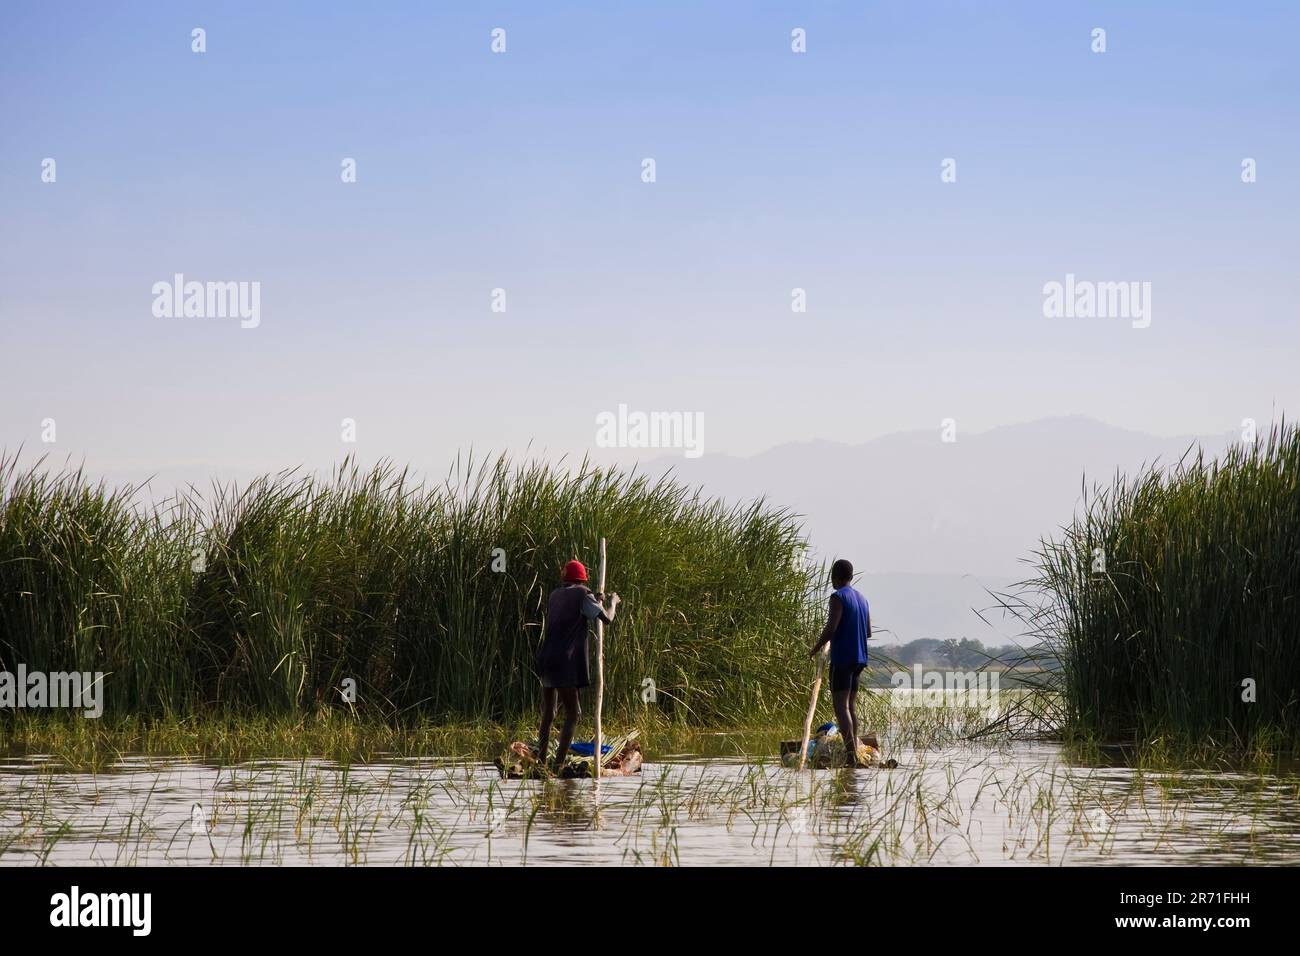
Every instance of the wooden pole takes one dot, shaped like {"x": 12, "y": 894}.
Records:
{"x": 600, "y": 657}
{"x": 812, "y": 709}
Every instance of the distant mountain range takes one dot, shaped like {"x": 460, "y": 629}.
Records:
{"x": 932, "y": 524}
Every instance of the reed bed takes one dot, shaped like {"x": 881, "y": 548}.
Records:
{"x": 1175, "y": 596}
{"x": 266, "y": 598}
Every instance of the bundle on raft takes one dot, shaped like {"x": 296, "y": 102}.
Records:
{"x": 826, "y": 749}
{"x": 621, "y": 757}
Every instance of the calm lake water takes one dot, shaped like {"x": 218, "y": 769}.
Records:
{"x": 1015, "y": 804}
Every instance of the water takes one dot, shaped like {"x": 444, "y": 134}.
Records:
{"x": 1015, "y": 804}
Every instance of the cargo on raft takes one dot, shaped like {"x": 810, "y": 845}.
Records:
{"x": 826, "y": 749}
{"x": 621, "y": 757}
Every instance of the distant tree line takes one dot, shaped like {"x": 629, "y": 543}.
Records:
{"x": 964, "y": 654}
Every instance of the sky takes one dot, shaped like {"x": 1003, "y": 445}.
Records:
{"x": 523, "y": 171}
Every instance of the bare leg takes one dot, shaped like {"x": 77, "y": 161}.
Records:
{"x": 848, "y": 728}
{"x": 548, "y": 717}
{"x": 569, "y": 699}
{"x": 853, "y": 711}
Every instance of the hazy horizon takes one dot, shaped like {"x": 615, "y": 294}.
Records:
{"x": 522, "y": 171}
{"x": 930, "y": 536}
{"x": 247, "y": 238}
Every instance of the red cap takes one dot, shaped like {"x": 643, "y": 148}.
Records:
{"x": 574, "y": 571}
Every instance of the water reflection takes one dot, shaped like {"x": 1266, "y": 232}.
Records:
{"x": 1019, "y": 804}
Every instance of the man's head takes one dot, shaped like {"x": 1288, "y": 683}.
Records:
{"x": 841, "y": 573}
{"x": 575, "y": 573}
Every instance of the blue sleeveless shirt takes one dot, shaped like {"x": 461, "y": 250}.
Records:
{"x": 849, "y": 644}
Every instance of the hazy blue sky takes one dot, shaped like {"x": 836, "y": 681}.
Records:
{"x": 522, "y": 171}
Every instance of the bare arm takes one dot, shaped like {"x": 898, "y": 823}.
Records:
{"x": 607, "y": 613}
{"x": 832, "y": 624}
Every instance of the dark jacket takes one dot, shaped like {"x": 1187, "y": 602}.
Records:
{"x": 563, "y": 660}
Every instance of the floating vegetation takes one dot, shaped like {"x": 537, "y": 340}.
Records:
{"x": 971, "y": 805}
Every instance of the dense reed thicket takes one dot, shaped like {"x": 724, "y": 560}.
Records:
{"x": 1171, "y": 591}
{"x": 267, "y": 597}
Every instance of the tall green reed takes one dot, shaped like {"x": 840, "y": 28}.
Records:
{"x": 1172, "y": 590}
{"x": 431, "y": 598}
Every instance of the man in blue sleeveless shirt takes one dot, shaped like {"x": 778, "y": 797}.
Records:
{"x": 848, "y": 628}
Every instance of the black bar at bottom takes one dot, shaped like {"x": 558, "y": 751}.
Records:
{"x": 335, "y": 905}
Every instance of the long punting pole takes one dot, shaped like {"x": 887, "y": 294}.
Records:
{"x": 812, "y": 708}
{"x": 600, "y": 658}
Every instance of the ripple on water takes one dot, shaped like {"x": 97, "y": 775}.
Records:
{"x": 1018, "y": 804}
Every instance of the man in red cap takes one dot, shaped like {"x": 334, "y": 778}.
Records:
{"x": 562, "y": 661}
